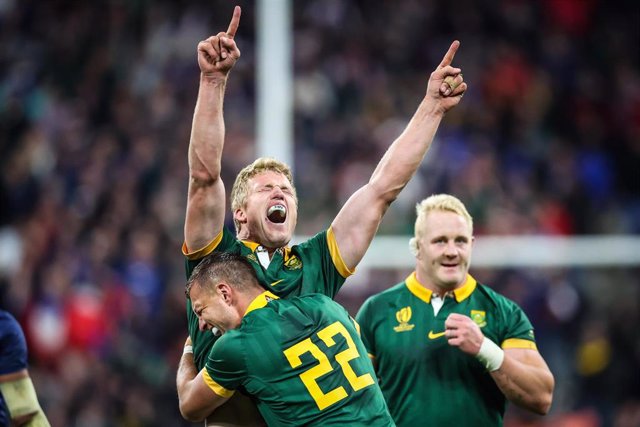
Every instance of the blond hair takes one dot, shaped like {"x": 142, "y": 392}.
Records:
{"x": 240, "y": 188}
{"x": 437, "y": 202}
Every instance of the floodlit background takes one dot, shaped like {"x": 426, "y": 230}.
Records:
{"x": 96, "y": 100}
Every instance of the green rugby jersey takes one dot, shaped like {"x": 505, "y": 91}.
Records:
{"x": 426, "y": 381}
{"x": 312, "y": 266}
{"x": 302, "y": 361}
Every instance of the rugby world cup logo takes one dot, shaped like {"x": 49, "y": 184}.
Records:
{"x": 403, "y": 316}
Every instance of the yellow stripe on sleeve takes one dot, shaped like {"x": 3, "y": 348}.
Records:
{"x": 217, "y": 388}
{"x": 335, "y": 255}
{"x": 519, "y": 343}
{"x": 202, "y": 252}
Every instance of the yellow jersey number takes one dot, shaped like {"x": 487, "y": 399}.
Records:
{"x": 323, "y": 367}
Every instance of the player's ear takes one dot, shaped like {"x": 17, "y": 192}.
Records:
{"x": 414, "y": 246}
{"x": 224, "y": 290}
{"x": 240, "y": 216}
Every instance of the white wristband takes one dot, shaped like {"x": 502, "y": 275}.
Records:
{"x": 187, "y": 349}
{"x": 490, "y": 355}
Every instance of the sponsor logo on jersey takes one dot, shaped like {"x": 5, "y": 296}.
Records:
{"x": 434, "y": 335}
{"x": 403, "y": 316}
{"x": 479, "y": 317}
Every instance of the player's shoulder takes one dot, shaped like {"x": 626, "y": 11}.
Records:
{"x": 391, "y": 293}
{"x": 311, "y": 301}
{"x": 495, "y": 297}
{"x": 229, "y": 340}
{"x": 313, "y": 297}
{"x": 314, "y": 241}
{"x": 386, "y": 297}
{"x": 8, "y": 323}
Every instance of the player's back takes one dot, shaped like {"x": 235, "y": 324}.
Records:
{"x": 306, "y": 365}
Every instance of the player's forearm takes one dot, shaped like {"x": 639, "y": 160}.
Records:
{"x": 405, "y": 154}
{"x": 207, "y": 131}
{"x": 205, "y": 204}
{"x": 196, "y": 400}
{"x": 530, "y": 387}
{"x": 187, "y": 372}
{"x": 357, "y": 222}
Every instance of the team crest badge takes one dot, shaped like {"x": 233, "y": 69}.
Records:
{"x": 403, "y": 316}
{"x": 293, "y": 263}
{"x": 252, "y": 257}
{"x": 479, "y": 317}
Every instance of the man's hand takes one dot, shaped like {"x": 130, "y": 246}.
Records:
{"x": 462, "y": 332}
{"x": 218, "y": 54}
{"x": 446, "y": 84}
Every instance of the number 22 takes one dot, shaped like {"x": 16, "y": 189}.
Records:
{"x": 310, "y": 376}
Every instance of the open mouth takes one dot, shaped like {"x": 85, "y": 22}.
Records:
{"x": 277, "y": 214}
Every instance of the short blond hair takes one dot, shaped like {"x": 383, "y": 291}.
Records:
{"x": 240, "y": 188}
{"x": 437, "y": 202}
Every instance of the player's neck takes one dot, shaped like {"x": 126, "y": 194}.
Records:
{"x": 269, "y": 249}
{"x": 435, "y": 289}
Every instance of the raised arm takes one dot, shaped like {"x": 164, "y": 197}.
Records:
{"x": 206, "y": 197}
{"x": 358, "y": 220}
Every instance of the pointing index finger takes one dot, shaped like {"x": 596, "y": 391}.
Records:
{"x": 235, "y": 22}
{"x": 448, "y": 57}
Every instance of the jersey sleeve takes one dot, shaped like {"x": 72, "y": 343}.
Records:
{"x": 13, "y": 348}
{"x": 226, "y": 365}
{"x": 225, "y": 241}
{"x": 518, "y": 331}
{"x": 323, "y": 252}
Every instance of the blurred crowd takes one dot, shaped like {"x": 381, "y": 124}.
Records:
{"x": 96, "y": 101}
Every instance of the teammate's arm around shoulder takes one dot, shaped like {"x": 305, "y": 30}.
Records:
{"x": 196, "y": 395}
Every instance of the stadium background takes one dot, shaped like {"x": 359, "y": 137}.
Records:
{"x": 96, "y": 100}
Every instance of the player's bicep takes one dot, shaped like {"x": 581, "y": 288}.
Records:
{"x": 527, "y": 356}
{"x": 205, "y": 214}
{"x": 356, "y": 224}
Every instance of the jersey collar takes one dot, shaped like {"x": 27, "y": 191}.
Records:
{"x": 461, "y": 293}
{"x": 260, "y": 301}
{"x": 253, "y": 246}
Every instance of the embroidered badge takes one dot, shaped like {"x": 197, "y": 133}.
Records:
{"x": 403, "y": 316}
{"x": 479, "y": 317}
{"x": 293, "y": 263}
